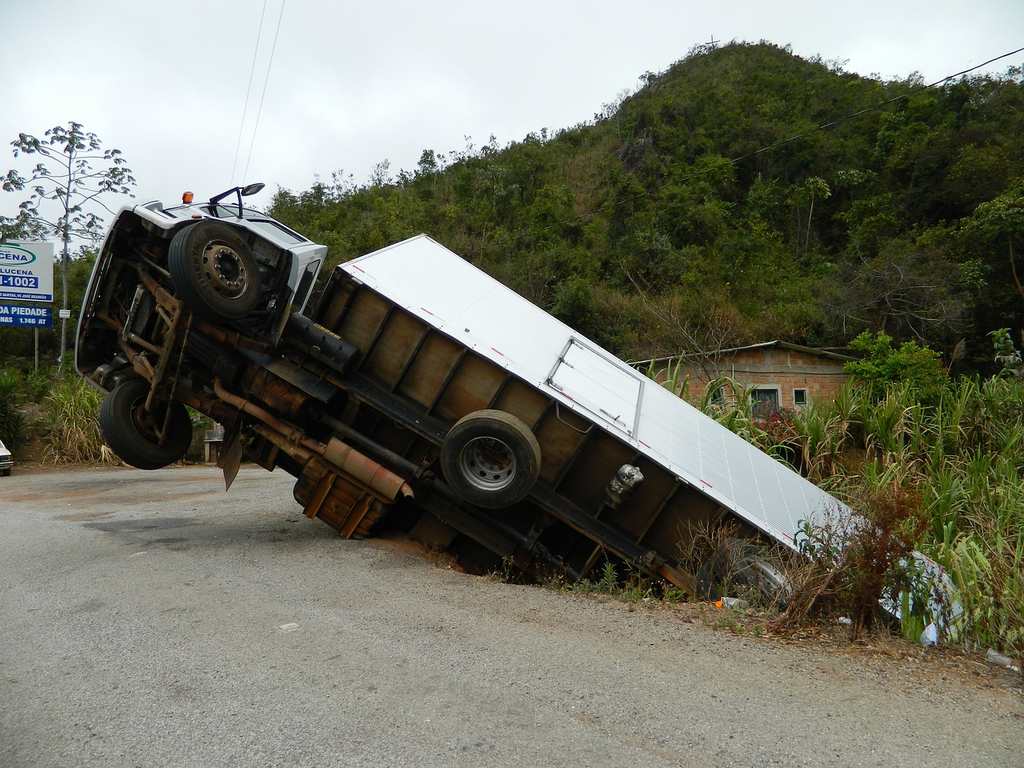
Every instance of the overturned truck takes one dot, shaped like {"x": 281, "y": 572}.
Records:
{"x": 417, "y": 389}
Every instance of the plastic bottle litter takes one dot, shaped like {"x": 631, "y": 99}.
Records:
{"x": 735, "y": 602}
{"x": 845, "y": 620}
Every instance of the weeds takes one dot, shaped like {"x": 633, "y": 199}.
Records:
{"x": 12, "y": 424}
{"x": 943, "y": 476}
{"x": 71, "y": 431}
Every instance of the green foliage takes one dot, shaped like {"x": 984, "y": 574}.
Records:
{"x": 915, "y": 366}
{"x": 945, "y": 477}
{"x": 12, "y": 424}
{"x": 1006, "y": 356}
{"x": 636, "y": 227}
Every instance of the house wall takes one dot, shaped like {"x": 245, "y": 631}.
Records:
{"x": 786, "y": 369}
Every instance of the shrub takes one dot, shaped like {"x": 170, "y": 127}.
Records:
{"x": 71, "y": 430}
{"x": 12, "y": 425}
{"x": 883, "y": 364}
{"x": 989, "y": 571}
{"x": 856, "y": 561}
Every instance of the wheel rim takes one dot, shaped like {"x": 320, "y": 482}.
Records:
{"x": 143, "y": 421}
{"x": 487, "y": 463}
{"x": 223, "y": 269}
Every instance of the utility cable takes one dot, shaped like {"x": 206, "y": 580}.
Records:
{"x": 248, "y": 91}
{"x": 263, "y": 93}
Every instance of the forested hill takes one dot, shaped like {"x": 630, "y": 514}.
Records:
{"x": 636, "y": 228}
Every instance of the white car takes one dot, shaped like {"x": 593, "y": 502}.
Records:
{"x": 6, "y": 462}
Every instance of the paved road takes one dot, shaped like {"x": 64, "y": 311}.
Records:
{"x": 147, "y": 619}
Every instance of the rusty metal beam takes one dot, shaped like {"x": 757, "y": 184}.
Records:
{"x": 381, "y": 481}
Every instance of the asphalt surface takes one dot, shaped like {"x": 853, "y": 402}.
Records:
{"x": 148, "y": 619}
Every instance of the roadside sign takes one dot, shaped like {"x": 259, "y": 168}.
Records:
{"x": 64, "y": 314}
{"x": 12, "y": 315}
{"x": 26, "y": 271}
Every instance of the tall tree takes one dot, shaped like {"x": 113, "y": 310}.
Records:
{"x": 76, "y": 173}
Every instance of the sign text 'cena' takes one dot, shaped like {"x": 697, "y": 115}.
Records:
{"x": 26, "y": 271}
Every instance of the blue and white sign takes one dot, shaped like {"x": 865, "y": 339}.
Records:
{"x": 11, "y": 315}
{"x": 26, "y": 271}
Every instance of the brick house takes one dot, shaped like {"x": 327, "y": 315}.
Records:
{"x": 783, "y": 376}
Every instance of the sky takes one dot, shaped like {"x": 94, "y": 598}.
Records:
{"x": 349, "y": 84}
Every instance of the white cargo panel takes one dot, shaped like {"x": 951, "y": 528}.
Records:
{"x": 447, "y": 292}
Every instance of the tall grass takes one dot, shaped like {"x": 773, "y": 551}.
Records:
{"x": 961, "y": 456}
{"x": 71, "y": 433}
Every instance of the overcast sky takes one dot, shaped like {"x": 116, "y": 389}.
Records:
{"x": 353, "y": 83}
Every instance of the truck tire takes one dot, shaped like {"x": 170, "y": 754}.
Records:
{"x": 739, "y": 563}
{"x": 490, "y": 459}
{"x": 214, "y": 271}
{"x": 124, "y": 428}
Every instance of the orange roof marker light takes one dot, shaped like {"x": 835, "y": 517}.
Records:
{"x": 186, "y": 198}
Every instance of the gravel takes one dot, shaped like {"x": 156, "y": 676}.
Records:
{"x": 148, "y": 619}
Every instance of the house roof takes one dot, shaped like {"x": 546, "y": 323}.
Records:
{"x": 817, "y": 351}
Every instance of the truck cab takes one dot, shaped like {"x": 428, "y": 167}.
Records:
{"x": 231, "y": 265}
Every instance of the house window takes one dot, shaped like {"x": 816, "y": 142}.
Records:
{"x": 766, "y": 401}
{"x": 800, "y": 397}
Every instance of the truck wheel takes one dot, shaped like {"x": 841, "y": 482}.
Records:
{"x": 490, "y": 459}
{"x": 129, "y": 430}
{"x": 214, "y": 271}
{"x": 739, "y": 563}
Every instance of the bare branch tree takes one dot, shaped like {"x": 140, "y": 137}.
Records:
{"x": 66, "y": 175}
{"x": 700, "y": 343}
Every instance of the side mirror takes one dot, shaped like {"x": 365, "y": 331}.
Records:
{"x": 252, "y": 189}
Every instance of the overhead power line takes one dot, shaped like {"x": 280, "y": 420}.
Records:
{"x": 263, "y": 93}
{"x": 248, "y": 90}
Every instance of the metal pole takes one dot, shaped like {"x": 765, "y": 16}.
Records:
{"x": 36, "y": 332}
{"x": 64, "y": 259}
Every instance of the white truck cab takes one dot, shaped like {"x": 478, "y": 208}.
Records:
{"x": 231, "y": 265}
